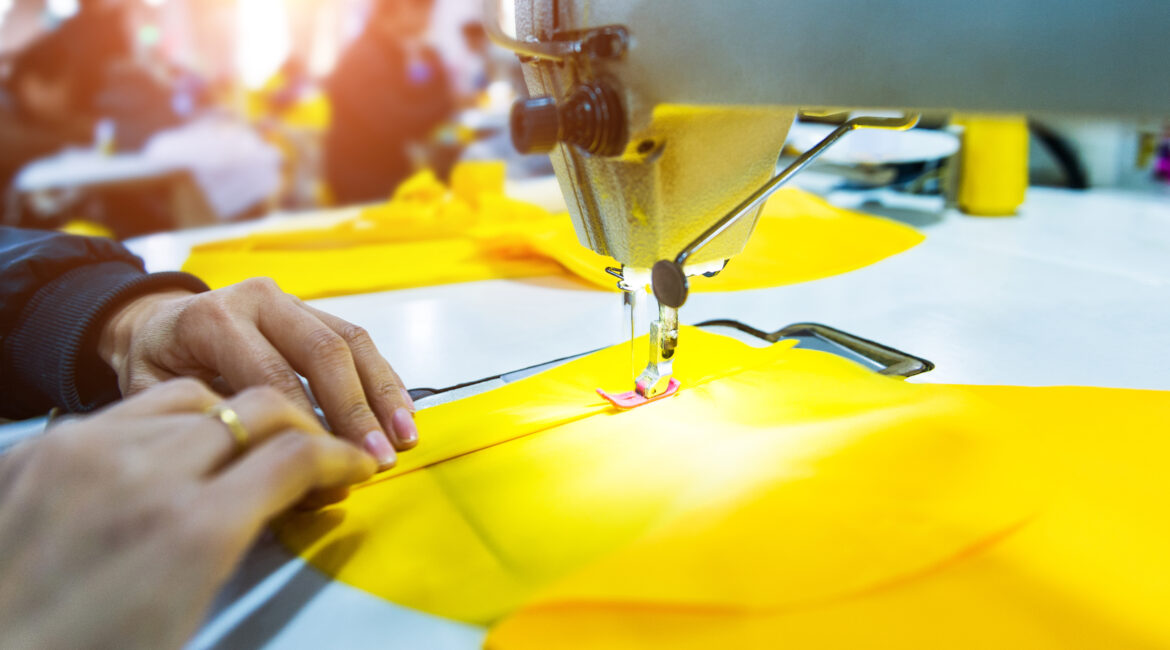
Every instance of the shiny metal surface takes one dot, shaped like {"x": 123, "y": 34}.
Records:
{"x": 710, "y": 89}
{"x": 649, "y": 201}
{"x": 1079, "y": 56}
{"x": 655, "y": 379}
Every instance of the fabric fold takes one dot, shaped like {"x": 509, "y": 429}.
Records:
{"x": 782, "y": 495}
{"x": 429, "y": 235}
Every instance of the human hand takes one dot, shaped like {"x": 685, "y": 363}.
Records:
{"x": 253, "y": 334}
{"x": 116, "y": 530}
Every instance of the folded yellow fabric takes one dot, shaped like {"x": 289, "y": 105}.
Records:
{"x": 425, "y": 236}
{"x": 783, "y": 496}
{"x": 428, "y": 235}
{"x": 799, "y": 237}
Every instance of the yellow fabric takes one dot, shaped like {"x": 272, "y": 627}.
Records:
{"x": 799, "y": 237}
{"x": 428, "y": 235}
{"x": 310, "y": 112}
{"x": 432, "y": 555}
{"x": 783, "y": 496}
{"x": 87, "y": 229}
{"x": 423, "y": 237}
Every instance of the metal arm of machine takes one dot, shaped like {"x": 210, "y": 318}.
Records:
{"x": 607, "y": 42}
{"x": 669, "y": 277}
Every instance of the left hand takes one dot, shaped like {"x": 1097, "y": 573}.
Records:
{"x": 118, "y": 528}
{"x": 254, "y": 334}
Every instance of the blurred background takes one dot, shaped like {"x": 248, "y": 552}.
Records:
{"x": 126, "y": 117}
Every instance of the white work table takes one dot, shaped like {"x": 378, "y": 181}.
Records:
{"x": 1075, "y": 290}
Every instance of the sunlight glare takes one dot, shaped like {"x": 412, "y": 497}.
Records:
{"x": 263, "y": 38}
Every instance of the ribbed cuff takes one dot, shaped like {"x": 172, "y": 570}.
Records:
{"x": 53, "y": 348}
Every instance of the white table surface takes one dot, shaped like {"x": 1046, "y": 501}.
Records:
{"x": 1075, "y": 290}
{"x": 228, "y": 161}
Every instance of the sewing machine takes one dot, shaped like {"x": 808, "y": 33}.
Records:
{"x": 1044, "y": 275}
{"x": 664, "y": 119}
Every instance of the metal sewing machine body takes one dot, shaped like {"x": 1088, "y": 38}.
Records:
{"x": 664, "y": 119}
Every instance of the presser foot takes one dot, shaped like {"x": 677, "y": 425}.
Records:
{"x": 656, "y": 381}
{"x": 633, "y": 399}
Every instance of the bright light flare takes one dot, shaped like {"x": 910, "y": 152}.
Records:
{"x": 263, "y": 38}
{"x": 62, "y": 9}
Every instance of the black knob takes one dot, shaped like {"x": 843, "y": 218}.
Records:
{"x": 670, "y": 283}
{"x": 591, "y": 118}
{"x": 536, "y": 125}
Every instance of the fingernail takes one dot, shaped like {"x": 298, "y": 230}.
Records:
{"x": 404, "y": 426}
{"x": 379, "y": 447}
{"x": 407, "y": 400}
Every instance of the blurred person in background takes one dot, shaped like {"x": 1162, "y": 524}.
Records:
{"x": 96, "y": 40}
{"x": 94, "y": 51}
{"x": 110, "y": 84}
{"x": 38, "y": 101}
{"x": 389, "y": 90}
{"x": 59, "y": 88}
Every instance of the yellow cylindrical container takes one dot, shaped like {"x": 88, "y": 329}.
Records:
{"x": 993, "y": 166}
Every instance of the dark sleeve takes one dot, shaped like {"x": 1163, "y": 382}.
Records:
{"x": 55, "y": 293}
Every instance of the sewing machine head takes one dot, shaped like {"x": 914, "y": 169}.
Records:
{"x": 643, "y": 176}
{"x": 661, "y": 115}
{"x": 665, "y": 118}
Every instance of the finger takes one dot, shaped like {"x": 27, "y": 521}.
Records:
{"x": 174, "y": 396}
{"x": 318, "y": 499}
{"x": 220, "y": 385}
{"x": 205, "y": 442}
{"x": 384, "y": 389}
{"x": 321, "y": 355}
{"x": 278, "y": 474}
{"x": 246, "y": 359}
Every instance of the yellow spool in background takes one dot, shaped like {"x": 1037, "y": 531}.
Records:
{"x": 993, "y": 168}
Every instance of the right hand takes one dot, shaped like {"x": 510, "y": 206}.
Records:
{"x": 116, "y": 530}
{"x": 254, "y": 334}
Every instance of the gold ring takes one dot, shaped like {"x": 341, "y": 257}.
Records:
{"x": 231, "y": 420}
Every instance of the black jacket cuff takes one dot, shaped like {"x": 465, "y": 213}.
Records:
{"x": 53, "y": 348}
